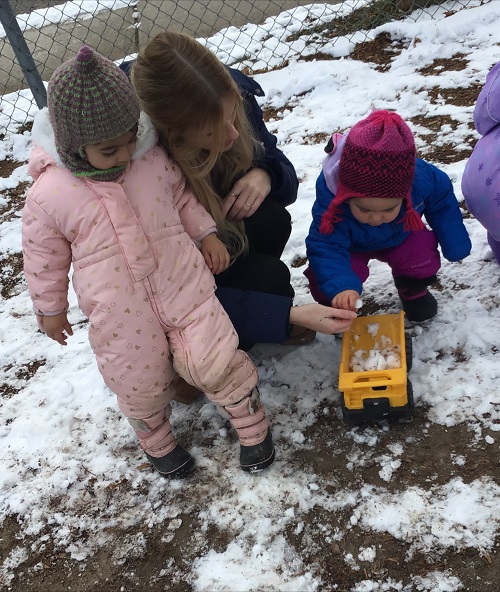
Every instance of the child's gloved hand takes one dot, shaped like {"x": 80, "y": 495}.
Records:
{"x": 215, "y": 254}
{"x": 346, "y": 300}
{"x": 57, "y": 327}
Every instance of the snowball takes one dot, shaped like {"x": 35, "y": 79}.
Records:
{"x": 386, "y": 357}
{"x": 363, "y": 361}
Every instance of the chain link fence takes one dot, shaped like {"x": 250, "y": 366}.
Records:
{"x": 253, "y": 35}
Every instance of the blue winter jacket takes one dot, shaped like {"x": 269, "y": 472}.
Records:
{"x": 329, "y": 254}
{"x": 259, "y": 317}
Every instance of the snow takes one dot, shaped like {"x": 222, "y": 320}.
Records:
{"x": 63, "y": 439}
{"x": 387, "y": 358}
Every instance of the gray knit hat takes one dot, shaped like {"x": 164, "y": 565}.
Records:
{"x": 90, "y": 101}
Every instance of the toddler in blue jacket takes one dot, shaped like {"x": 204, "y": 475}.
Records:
{"x": 370, "y": 197}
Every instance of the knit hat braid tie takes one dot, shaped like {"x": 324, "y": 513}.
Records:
{"x": 378, "y": 160}
{"x": 90, "y": 101}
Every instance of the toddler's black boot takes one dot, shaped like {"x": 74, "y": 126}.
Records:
{"x": 159, "y": 444}
{"x": 421, "y": 308}
{"x": 259, "y": 456}
{"x": 418, "y": 303}
{"x": 175, "y": 465}
{"x": 256, "y": 442}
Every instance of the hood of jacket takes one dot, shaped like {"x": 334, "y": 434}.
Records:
{"x": 246, "y": 84}
{"x": 44, "y": 152}
{"x": 331, "y": 162}
{"x": 487, "y": 109}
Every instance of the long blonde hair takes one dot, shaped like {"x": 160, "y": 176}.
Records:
{"x": 181, "y": 85}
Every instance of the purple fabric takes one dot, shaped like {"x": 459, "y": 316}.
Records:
{"x": 316, "y": 293}
{"x": 416, "y": 257}
{"x": 487, "y": 109}
{"x": 495, "y": 247}
{"x": 481, "y": 179}
{"x": 331, "y": 162}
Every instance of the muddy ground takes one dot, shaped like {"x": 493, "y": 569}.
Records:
{"x": 53, "y": 571}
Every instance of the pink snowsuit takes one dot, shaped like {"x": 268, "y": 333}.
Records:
{"x": 139, "y": 278}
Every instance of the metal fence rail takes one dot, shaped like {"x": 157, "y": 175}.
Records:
{"x": 33, "y": 45}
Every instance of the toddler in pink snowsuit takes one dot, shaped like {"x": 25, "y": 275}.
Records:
{"x": 109, "y": 201}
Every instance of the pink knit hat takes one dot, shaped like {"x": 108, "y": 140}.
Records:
{"x": 378, "y": 160}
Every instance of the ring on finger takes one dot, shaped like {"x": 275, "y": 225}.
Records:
{"x": 234, "y": 194}
{"x": 248, "y": 205}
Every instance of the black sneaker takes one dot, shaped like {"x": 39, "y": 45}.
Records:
{"x": 258, "y": 457}
{"x": 174, "y": 465}
{"x": 420, "y": 309}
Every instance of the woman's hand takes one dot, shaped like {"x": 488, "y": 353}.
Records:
{"x": 346, "y": 300}
{"x": 322, "y": 319}
{"x": 56, "y": 327}
{"x": 247, "y": 194}
{"x": 215, "y": 253}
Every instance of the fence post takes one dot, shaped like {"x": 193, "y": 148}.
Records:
{"x": 23, "y": 54}
{"x": 136, "y": 25}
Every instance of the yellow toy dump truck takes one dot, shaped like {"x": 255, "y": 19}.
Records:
{"x": 373, "y": 376}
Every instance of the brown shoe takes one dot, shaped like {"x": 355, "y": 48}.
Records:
{"x": 300, "y": 335}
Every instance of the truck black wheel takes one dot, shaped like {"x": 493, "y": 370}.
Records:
{"x": 353, "y": 417}
{"x": 410, "y": 407}
{"x": 409, "y": 352}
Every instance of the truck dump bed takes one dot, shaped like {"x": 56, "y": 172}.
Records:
{"x": 373, "y": 370}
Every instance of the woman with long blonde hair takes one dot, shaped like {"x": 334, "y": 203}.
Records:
{"x": 209, "y": 121}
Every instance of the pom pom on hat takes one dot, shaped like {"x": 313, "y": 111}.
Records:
{"x": 378, "y": 160}
{"x": 90, "y": 101}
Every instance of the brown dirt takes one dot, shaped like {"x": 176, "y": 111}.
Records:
{"x": 380, "y": 51}
{"x": 427, "y": 463}
{"x": 11, "y": 274}
{"x": 15, "y": 196}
